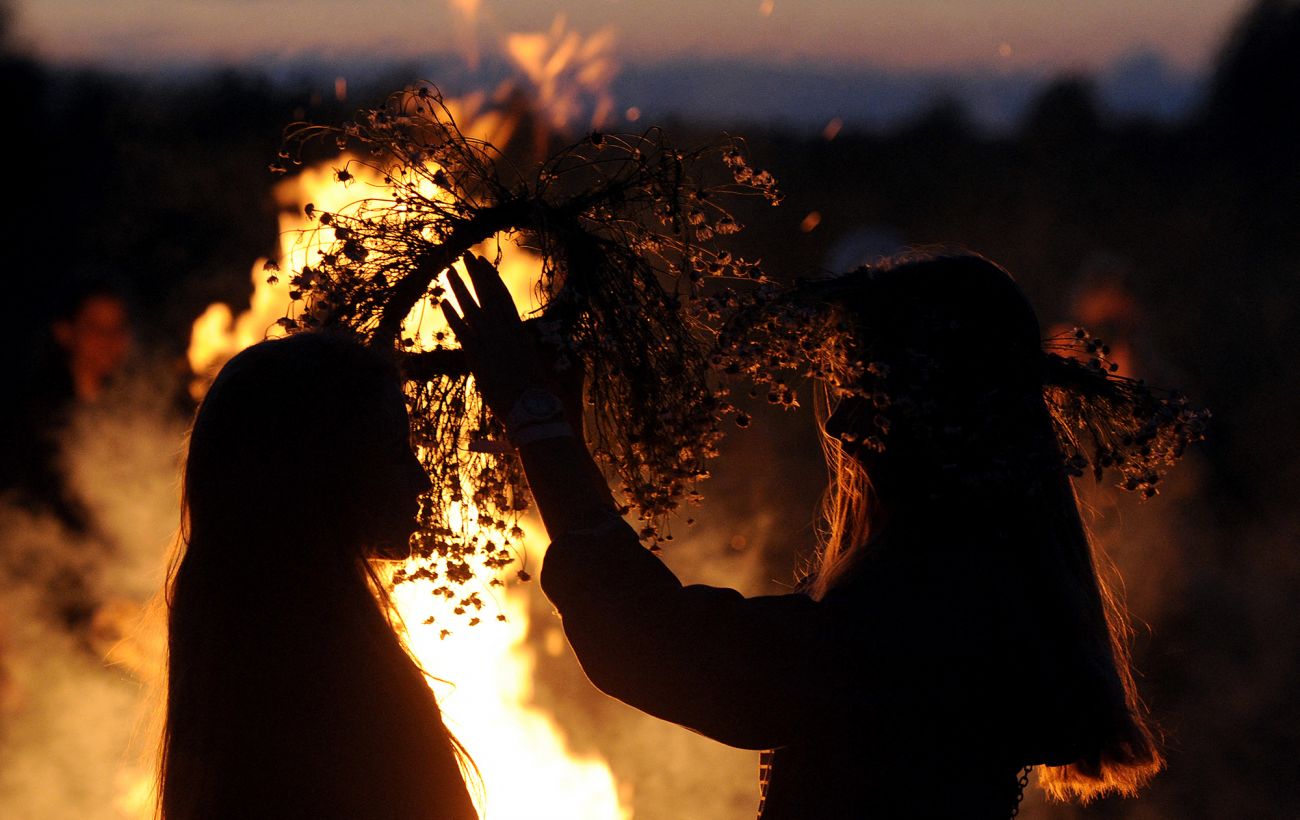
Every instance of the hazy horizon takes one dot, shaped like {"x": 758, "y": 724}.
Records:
{"x": 755, "y": 61}
{"x": 1044, "y": 35}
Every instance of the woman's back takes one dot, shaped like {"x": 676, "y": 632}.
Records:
{"x": 916, "y": 687}
{"x": 943, "y": 691}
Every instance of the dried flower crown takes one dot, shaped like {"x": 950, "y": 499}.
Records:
{"x": 626, "y": 228}
{"x": 634, "y": 285}
{"x": 1104, "y": 423}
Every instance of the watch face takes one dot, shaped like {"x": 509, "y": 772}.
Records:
{"x": 540, "y": 404}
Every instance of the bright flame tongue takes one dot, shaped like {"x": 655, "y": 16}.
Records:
{"x": 526, "y": 770}
{"x": 487, "y": 670}
{"x": 566, "y": 69}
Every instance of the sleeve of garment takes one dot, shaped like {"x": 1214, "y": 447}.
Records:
{"x": 754, "y": 673}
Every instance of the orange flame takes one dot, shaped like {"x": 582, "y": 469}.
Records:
{"x": 218, "y": 334}
{"x": 466, "y": 13}
{"x": 521, "y": 753}
{"x": 527, "y": 770}
{"x": 567, "y": 68}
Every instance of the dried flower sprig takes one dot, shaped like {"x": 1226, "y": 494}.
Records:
{"x": 1107, "y": 422}
{"x": 626, "y": 228}
{"x": 1104, "y": 423}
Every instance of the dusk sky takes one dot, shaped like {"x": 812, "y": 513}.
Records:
{"x": 900, "y": 34}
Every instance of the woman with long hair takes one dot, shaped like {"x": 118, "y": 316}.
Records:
{"x": 289, "y": 691}
{"x": 956, "y": 626}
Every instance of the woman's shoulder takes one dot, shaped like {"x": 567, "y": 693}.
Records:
{"x": 924, "y": 599}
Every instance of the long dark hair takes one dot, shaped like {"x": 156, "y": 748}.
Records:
{"x": 971, "y": 449}
{"x": 289, "y": 691}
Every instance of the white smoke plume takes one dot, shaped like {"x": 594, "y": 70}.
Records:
{"x": 77, "y": 655}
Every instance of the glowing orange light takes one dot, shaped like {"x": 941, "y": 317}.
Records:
{"x": 486, "y": 670}
{"x": 565, "y": 69}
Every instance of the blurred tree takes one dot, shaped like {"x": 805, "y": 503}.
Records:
{"x": 1064, "y": 115}
{"x": 1253, "y": 97}
{"x": 23, "y": 87}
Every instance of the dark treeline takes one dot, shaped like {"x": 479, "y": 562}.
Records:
{"x": 165, "y": 186}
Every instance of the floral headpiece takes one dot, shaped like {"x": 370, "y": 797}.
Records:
{"x": 1107, "y": 422}
{"x": 626, "y": 227}
{"x": 1104, "y": 422}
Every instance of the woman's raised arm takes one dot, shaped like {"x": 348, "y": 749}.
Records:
{"x": 510, "y": 369}
{"x": 750, "y": 672}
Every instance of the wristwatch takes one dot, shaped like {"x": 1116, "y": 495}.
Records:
{"x": 536, "y": 405}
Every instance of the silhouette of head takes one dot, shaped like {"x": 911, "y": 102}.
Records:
{"x": 302, "y": 444}
{"x": 946, "y": 442}
{"x": 289, "y": 692}
{"x": 93, "y": 335}
{"x": 955, "y": 403}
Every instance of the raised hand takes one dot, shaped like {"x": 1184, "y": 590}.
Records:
{"x": 506, "y": 359}
{"x": 503, "y": 355}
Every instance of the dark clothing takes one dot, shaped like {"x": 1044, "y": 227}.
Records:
{"x": 311, "y": 712}
{"x": 895, "y": 696}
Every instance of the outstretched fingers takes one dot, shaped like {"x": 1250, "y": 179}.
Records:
{"x": 454, "y": 319}
{"x": 469, "y": 306}
{"x": 500, "y": 352}
{"x": 488, "y": 312}
{"x": 492, "y": 292}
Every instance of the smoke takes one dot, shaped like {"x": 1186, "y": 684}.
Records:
{"x": 77, "y": 651}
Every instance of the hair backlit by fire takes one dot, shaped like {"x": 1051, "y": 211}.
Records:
{"x": 1030, "y": 510}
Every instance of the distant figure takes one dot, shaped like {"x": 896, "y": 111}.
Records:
{"x": 88, "y": 346}
{"x": 95, "y": 339}
{"x": 289, "y": 691}
{"x": 954, "y": 628}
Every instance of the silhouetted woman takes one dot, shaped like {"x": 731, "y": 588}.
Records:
{"x": 954, "y": 628}
{"x": 289, "y": 692}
